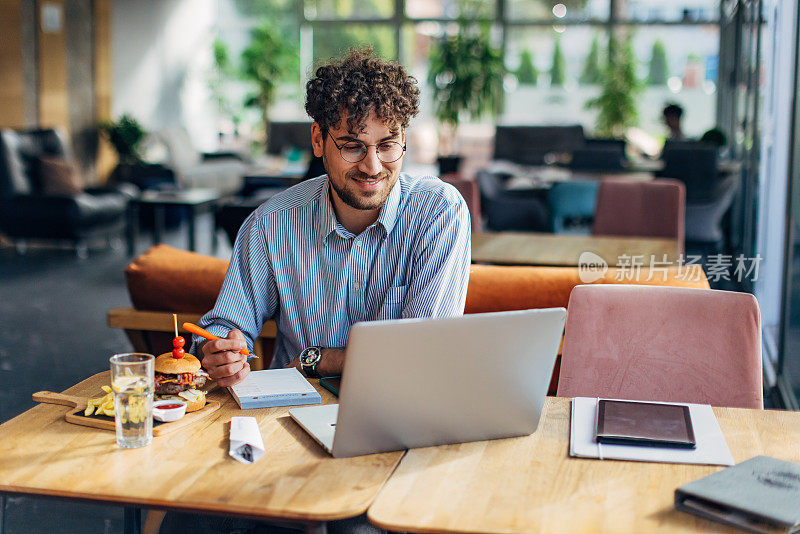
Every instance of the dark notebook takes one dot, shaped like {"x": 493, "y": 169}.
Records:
{"x": 761, "y": 495}
{"x": 644, "y": 423}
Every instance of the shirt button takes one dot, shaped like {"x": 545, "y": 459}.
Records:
{"x": 358, "y": 243}
{"x": 357, "y": 285}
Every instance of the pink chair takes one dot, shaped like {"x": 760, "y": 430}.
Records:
{"x": 635, "y": 208}
{"x": 669, "y": 344}
{"x": 468, "y": 190}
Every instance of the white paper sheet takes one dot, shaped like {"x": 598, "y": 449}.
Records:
{"x": 246, "y": 445}
{"x": 273, "y": 382}
{"x": 712, "y": 449}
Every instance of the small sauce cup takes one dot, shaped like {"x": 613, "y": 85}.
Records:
{"x": 168, "y": 410}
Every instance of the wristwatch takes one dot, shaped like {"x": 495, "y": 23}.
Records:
{"x": 309, "y": 359}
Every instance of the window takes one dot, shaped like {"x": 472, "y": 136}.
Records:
{"x": 677, "y": 64}
{"x": 445, "y": 9}
{"x": 547, "y": 83}
{"x": 334, "y": 40}
{"x": 555, "y": 50}
{"x": 348, "y": 9}
{"x": 672, "y": 11}
{"x": 558, "y": 10}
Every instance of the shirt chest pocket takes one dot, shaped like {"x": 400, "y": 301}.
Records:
{"x": 392, "y": 306}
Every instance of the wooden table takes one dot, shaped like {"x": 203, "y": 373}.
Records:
{"x": 524, "y": 248}
{"x": 189, "y": 470}
{"x": 530, "y": 484}
{"x": 195, "y": 200}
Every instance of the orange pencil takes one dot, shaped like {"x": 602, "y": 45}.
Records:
{"x": 194, "y": 329}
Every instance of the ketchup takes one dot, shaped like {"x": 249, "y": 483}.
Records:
{"x": 169, "y": 406}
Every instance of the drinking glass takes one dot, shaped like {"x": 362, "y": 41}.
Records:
{"x": 132, "y": 382}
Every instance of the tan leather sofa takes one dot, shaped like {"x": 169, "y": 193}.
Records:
{"x": 165, "y": 280}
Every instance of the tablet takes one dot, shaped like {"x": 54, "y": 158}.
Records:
{"x": 644, "y": 423}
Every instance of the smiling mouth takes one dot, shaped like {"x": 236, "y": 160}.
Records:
{"x": 368, "y": 181}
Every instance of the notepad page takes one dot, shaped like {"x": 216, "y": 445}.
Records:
{"x": 273, "y": 382}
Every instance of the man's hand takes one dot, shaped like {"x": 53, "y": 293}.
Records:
{"x": 222, "y": 360}
{"x": 331, "y": 363}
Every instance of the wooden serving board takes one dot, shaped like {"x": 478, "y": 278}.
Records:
{"x": 105, "y": 422}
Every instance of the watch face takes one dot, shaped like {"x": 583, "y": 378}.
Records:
{"x": 310, "y": 356}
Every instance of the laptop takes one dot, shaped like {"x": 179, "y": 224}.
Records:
{"x": 423, "y": 382}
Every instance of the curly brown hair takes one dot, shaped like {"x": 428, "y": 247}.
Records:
{"x": 360, "y": 84}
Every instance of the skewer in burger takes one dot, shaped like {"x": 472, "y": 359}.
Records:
{"x": 182, "y": 377}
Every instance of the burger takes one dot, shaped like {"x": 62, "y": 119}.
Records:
{"x": 181, "y": 377}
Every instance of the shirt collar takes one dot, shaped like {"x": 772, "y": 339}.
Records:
{"x": 327, "y": 217}
{"x": 389, "y": 212}
{"x": 329, "y": 223}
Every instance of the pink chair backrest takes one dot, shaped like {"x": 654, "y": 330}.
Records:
{"x": 668, "y": 344}
{"x": 468, "y": 190}
{"x": 635, "y": 208}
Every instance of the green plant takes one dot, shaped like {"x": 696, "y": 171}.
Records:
{"x": 224, "y": 72}
{"x": 125, "y": 135}
{"x": 591, "y": 69}
{"x": 466, "y": 74}
{"x": 559, "y": 69}
{"x": 616, "y": 103}
{"x": 527, "y": 73}
{"x": 265, "y": 63}
{"x": 658, "y": 64}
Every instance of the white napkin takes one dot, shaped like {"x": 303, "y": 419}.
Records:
{"x": 246, "y": 443}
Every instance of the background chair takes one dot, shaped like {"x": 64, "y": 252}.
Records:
{"x": 704, "y": 218}
{"x": 468, "y": 190}
{"x": 606, "y": 142}
{"x": 571, "y": 200}
{"x": 527, "y": 145}
{"x": 27, "y": 211}
{"x": 709, "y": 194}
{"x": 635, "y": 208}
{"x": 694, "y": 164}
{"x": 192, "y": 168}
{"x": 288, "y": 135}
{"x": 598, "y": 158}
{"x": 523, "y": 210}
{"x": 662, "y": 344}
{"x": 233, "y": 210}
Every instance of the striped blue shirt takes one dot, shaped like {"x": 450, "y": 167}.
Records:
{"x": 295, "y": 263}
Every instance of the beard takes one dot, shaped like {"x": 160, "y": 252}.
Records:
{"x": 362, "y": 200}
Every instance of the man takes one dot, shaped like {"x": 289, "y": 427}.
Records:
{"x": 672, "y": 118}
{"x": 362, "y": 242}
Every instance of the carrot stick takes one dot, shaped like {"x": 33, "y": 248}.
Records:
{"x": 194, "y": 329}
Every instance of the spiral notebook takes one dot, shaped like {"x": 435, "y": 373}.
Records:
{"x": 274, "y": 387}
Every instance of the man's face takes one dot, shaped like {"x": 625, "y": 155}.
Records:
{"x": 363, "y": 185}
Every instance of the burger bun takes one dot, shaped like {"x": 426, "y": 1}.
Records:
{"x": 169, "y": 365}
{"x": 194, "y": 405}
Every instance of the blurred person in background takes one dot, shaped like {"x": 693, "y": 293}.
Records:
{"x": 672, "y": 118}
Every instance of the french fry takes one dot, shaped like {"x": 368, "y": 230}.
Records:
{"x": 101, "y": 405}
{"x": 105, "y": 406}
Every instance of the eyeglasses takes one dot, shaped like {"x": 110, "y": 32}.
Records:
{"x": 355, "y": 151}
